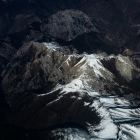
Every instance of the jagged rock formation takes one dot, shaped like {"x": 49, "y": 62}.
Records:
{"x": 46, "y": 86}
{"x": 116, "y": 22}
{"x": 34, "y": 67}
{"x": 69, "y": 24}
{"x": 56, "y": 90}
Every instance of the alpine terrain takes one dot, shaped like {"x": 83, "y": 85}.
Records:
{"x": 69, "y": 70}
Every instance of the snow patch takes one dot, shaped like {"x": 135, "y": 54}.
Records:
{"x": 51, "y": 46}
{"x": 75, "y": 86}
{"x": 106, "y": 129}
{"x": 86, "y": 104}
{"x": 129, "y": 132}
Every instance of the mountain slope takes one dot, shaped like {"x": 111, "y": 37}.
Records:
{"x": 46, "y": 86}
{"x": 69, "y": 69}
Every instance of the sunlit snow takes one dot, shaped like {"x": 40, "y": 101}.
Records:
{"x": 118, "y": 120}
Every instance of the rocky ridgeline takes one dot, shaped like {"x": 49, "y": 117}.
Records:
{"x": 56, "y": 90}
{"x": 37, "y": 65}
{"x": 47, "y": 85}
{"x": 68, "y": 24}
{"x": 88, "y": 27}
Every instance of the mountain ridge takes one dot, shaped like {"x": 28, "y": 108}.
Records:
{"x": 69, "y": 69}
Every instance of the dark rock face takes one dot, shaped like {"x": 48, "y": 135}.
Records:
{"x": 39, "y": 65}
{"x": 67, "y": 25}
{"x": 117, "y": 21}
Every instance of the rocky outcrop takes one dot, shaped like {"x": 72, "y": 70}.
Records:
{"x": 51, "y": 90}
{"x": 35, "y": 66}
{"x": 117, "y": 25}
{"x": 126, "y": 70}
{"x": 68, "y": 24}
{"x": 38, "y": 67}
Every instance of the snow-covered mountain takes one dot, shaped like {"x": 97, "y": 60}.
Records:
{"x": 70, "y": 96}
{"x": 69, "y": 69}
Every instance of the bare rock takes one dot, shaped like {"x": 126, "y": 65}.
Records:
{"x": 68, "y": 24}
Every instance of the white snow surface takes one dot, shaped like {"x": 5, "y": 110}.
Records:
{"x": 51, "y": 46}
{"x": 93, "y": 61}
{"x": 108, "y": 130}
